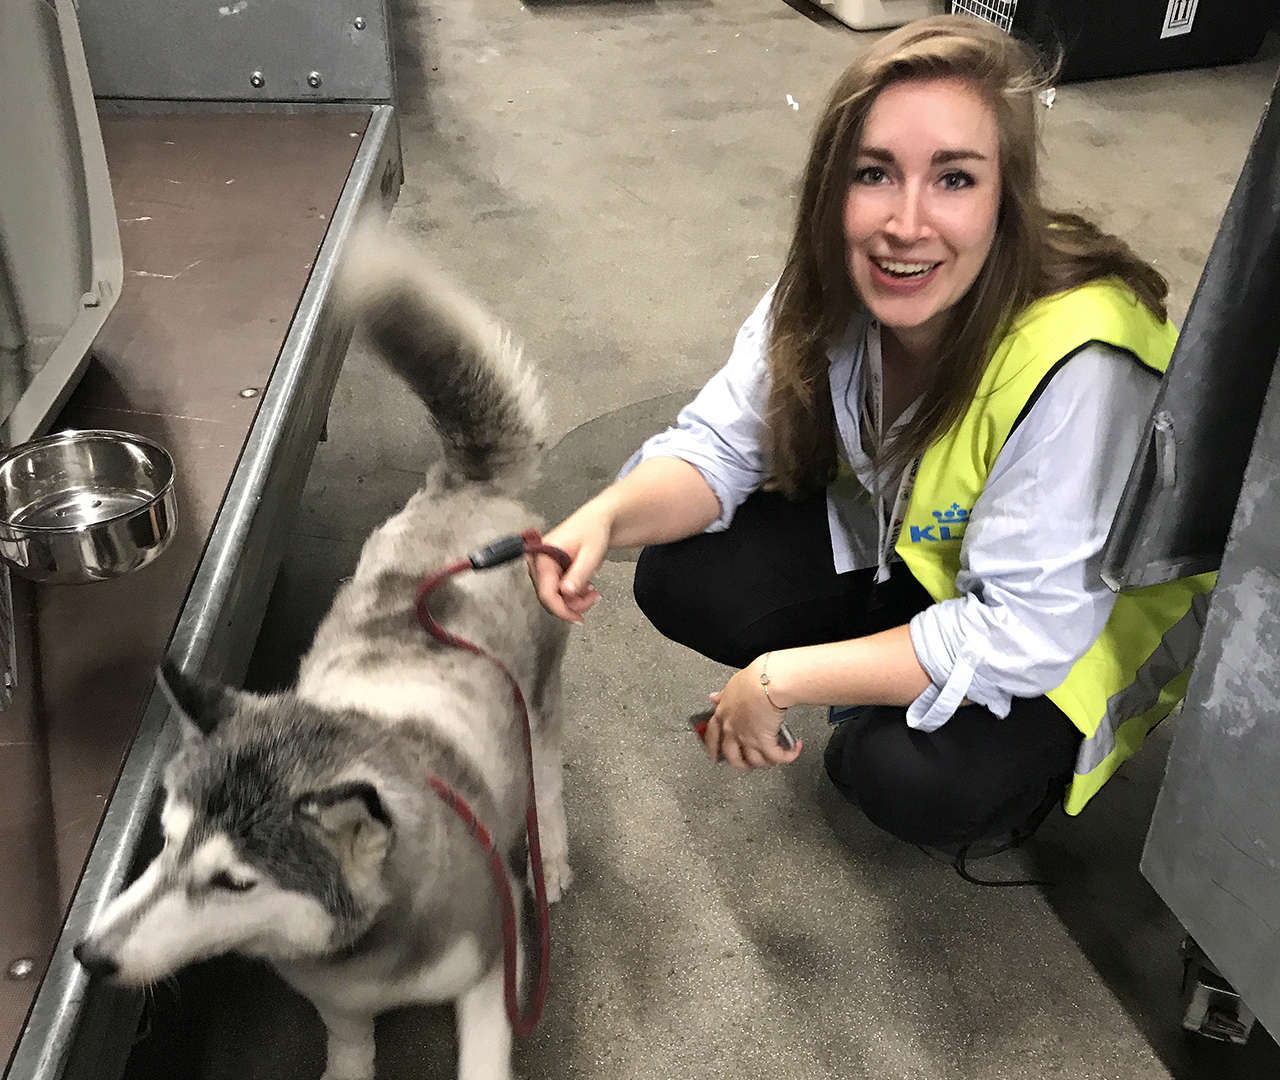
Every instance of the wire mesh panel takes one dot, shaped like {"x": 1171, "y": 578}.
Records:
{"x": 999, "y": 12}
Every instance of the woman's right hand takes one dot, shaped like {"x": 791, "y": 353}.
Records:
{"x": 584, "y": 536}
{"x": 662, "y": 499}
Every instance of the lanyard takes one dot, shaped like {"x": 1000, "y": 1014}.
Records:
{"x": 889, "y": 523}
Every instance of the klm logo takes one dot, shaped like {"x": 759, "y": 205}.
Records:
{"x": 949, "y": 525}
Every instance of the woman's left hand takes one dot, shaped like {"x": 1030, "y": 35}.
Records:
{"x": 744, "y": 728}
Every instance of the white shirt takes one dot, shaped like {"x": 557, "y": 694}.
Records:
{"x": 1031, "y": 599}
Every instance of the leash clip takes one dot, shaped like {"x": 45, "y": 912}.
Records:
{"x": 502, "y": 550}
{"x": 507, "y": 548}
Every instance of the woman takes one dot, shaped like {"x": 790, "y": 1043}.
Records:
{"x": 896, "y": 491}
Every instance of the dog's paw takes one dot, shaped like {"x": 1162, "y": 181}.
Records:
{"x": 558, "y": 877}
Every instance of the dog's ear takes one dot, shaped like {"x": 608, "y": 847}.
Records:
{"x": 352, "y": 821}
{"x": 201, "y": 704}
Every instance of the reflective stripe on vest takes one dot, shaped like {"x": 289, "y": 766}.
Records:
{"x": 1132, "y": 712}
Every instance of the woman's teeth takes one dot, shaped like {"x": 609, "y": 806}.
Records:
{"x": 904, "y": 269}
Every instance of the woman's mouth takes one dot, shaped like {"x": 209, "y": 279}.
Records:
{"x": 902, "y": 270}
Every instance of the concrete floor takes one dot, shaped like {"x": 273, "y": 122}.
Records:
{"x": 616, "y": 180}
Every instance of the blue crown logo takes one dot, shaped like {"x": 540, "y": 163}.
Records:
{"x": 950, "y": 524}
{"x": 956, "y": 515}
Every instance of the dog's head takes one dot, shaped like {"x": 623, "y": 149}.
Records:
{"x": 273, "y": 847}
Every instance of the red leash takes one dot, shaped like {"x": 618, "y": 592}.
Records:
{"x": 501, "y": 551}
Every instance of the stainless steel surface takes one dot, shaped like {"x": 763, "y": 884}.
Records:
{"x": 207, "y": 49}
{"x": 60, "y": 262}
{"x": 1213, "y": 848}
{"x": 84, "y": 506}
{"x": 79, "y": 1031}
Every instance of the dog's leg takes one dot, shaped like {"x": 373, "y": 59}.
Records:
{"x": 553, "y": 828}
{"x": 484, "y": 1033}
{"x": 548, "y": 776}
{"x": 350, "y": 1046}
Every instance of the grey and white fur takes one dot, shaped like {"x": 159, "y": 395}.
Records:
{"x": 299, "y": 826}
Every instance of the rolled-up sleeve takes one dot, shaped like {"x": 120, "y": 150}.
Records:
{"x": 1032, "y": 600}
{"x": 722, "y": 433}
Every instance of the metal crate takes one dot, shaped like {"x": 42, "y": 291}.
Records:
{"x": 999, "y": 12}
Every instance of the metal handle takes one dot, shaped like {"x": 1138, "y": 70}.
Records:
{"x": 1166, "y": 449}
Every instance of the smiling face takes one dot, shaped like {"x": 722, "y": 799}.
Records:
{"x": 920, "y": 215}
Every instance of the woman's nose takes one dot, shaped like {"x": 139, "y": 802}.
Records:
{"x": 907, "y": 217}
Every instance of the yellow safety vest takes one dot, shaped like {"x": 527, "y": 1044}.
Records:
{"x": 1137, "y": 670}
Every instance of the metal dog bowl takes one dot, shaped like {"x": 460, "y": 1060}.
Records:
{"x": 85, "y": 506}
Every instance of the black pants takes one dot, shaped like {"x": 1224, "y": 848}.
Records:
{"x": 767, "y": 583}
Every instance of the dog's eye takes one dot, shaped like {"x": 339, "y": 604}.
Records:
{"x": 223, "y": 880}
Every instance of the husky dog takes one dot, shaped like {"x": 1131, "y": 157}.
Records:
{"x": 299, "y": 826}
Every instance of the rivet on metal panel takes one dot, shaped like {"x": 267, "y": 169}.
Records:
{"x": 359, "y": 23}
{"x": 21, "y": 968}
{"x": 249, "y": 392}
{"x": 90, "y": 299}
{"x": 314, "y": 79}
{"x": 257, "y": 80}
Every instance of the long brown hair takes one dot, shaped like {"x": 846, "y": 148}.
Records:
{"x": 1036, "y": 252}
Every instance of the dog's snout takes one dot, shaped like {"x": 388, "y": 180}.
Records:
{"x": 94, "y": 962}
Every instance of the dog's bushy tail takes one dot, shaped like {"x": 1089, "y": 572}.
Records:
{"x": 456, "y": 357}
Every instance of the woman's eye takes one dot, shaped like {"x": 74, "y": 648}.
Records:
{"x": 223, "y": 880}
{"x": 869, "y": 174}
{"x": 955, "y": 181}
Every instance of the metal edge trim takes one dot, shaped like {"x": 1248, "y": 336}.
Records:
{"x": 112, "y": 107}
{"x": 1159, "y": 572}
{"x": 43, "y": 1048}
